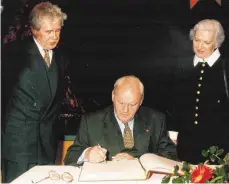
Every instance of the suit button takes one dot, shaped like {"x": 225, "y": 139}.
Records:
{"x": 35, "y": 104}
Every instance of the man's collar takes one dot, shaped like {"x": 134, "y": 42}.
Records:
{"x": 210, "y": 60}
{"x": 130, "y": 123}
{"x": 40, "y": 48}
{"x": 38, "y": 45}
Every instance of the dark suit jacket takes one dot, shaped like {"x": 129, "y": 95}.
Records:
{"x": 150, "y": 134}
{"x": 31, "y": 103}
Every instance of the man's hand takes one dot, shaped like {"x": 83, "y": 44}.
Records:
{"x": 96, "y": 154}
{"x": 122, "y": 156}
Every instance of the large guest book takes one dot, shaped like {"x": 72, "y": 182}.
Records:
{"x": 137, "y": 169}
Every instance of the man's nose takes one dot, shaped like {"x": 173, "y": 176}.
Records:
{"x": 54, "y": 35}
{"x": 126, "y": 108}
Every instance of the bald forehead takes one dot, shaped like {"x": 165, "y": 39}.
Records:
{"x": 128, "y": 92}
{"x": 128, "y": 83}
{"x": 131, "y": 87}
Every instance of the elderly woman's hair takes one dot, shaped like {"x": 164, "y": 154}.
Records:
{"x": 127, "y": 78}
{"x": 45, "y": 10}
{"x": 210, "y": 25}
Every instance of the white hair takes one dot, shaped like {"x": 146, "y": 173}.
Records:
{"x": 128, "y": 78}
{"x": 210, "y": 25}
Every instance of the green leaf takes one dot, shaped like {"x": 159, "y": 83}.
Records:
{"x": 213, "y": 158}
{"x": 166, "y": 179}
{"x": 219, "y": 179}
{"x": 176, "y": 169}
{"x": 185, "y": 167}
{"x": 188, "y": 178}
{"x": 221, "y": 162}
{"x": 205, "y": 153}
{"x": 213, "y": 149}
{"x": 220, "y": 151}
{"x": 179, "y": 179}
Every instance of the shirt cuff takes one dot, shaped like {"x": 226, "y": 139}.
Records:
{"x": 81, "y": 158}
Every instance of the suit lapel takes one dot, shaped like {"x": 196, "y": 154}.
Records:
{"x": 58, "y": 61}
{"x": 112, "y": 128}
{"x": 36, "y": 65}
{"x": 53, "y": 85}
{"x": 141, "y": 129}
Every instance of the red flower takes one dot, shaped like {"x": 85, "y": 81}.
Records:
{"x": 201, "y": 174}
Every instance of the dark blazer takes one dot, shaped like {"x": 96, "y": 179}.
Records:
{"x": 150, "y": 134}
{"x": 213, "y": 112}
{"x": 31, "y": 103}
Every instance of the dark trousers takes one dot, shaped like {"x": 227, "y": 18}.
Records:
{"x": 11, "y": 170}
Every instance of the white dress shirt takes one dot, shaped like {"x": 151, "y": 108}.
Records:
{"x": 41, "y": 49}
{"x": 122, "y": 126}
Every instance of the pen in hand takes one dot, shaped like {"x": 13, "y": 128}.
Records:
{"x": 103, "y": 152}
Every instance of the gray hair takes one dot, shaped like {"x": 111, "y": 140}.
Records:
{"x": 123, "y": 79}
{"x": 45, "y": 9}
{"x": 210, "y": 25}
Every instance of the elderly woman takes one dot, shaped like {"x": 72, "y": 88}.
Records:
{"x": 201, "y": 95}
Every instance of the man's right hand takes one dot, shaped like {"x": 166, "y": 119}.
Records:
{"x": 95, "y": 154}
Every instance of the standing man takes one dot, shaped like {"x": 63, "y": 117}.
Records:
{"x": 33, "y": 76}
{"x": 122, "y": 131}
{"x": 201, "y": 109}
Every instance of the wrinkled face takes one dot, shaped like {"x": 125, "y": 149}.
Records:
{"x": 49, "y": 34}
{"x": 126, "y": 103}
{"x": 204, "y": 43}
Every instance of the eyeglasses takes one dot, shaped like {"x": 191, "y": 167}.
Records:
{"x": 53, "y": 175}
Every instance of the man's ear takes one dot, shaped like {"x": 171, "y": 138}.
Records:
{"x": 112, "y": 96}
{"x": 142, "y": 100}
{"x": 34, "y": 32}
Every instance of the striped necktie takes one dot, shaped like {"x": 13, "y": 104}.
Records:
{"x": 46, "y": 57}
{"x": 127, "y": 137}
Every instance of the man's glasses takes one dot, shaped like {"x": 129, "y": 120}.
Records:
{"x": 53, "y": 175}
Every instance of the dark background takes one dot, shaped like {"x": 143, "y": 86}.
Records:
{"x": 106, "y": 39}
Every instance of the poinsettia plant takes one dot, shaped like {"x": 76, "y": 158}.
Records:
{"x": 203, "y": 173}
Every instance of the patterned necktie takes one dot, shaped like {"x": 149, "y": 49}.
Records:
{"x": 46, "y": 57}
{"x": 128, "y": 138}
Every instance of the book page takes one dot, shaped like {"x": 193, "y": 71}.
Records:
{"x": 158, "y": 164}
{"x": 112, "y": 171}
{"x": 161, "y": 165}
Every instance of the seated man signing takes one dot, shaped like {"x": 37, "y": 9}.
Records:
{"x": 122, "y": 131}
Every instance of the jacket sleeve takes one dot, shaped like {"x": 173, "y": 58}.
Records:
{"x": 165, "y": 146}
{"x": 80, "y": 144}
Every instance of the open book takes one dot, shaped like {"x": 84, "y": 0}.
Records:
{"x": 138, "y": 169}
